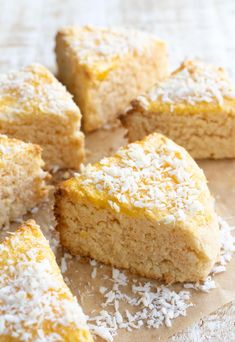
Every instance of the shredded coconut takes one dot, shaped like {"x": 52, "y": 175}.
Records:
{"x": 194, "y": 82}
{"x": 156, "y": 176}
{"x": 227, "y": 243}
{"x": 64, "y": 262}
{"x": 55, "y": 169}
{"x": 154, "y": 305}
{"x": 34, "y": 210}
{"x": 36, "y": 87}
{"x": 52, "y": 235}
{"x": 93, "y": 262}
{"x": 204, "y": 286}
{"x": 94, "y": 273}
{"x": 63, "y": 265}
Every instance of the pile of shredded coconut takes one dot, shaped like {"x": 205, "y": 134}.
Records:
{"x": 154, "y": 305}
{"x": 195, "y": 82}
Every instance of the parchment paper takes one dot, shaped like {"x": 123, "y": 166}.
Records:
{"x": 221, "y": 177}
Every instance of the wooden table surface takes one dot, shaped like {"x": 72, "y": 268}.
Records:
{"x": 204, "y": 29}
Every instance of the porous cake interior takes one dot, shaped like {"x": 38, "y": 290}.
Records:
{"x": 203, "y": 135}
{"x": 60, "y": 138}
{"x": 147, "y": 248}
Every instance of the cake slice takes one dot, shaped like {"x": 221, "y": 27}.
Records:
{"x": 22, "y": 179}
{"x": 147, "y": 209}
{"x": 106, "y": 68}
{"x": 35, "y": 107}
{"x": 195, "y": 107}
{"x": 35, "y": 303}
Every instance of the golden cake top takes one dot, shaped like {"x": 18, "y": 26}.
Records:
{"x": 33, "y": 90}
{"x": 194, "y": 84}
{"x": 154, "y": 177}
{"x": 35, "y": 303}
{"x": 99, "y": 47}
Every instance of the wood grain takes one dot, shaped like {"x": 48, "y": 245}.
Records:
{"x": 192, "y": 28}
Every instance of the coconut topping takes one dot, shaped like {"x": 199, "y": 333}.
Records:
{"x": 94, "y": 45}
{"x": 33, "y": 87}
{"x": 32, "y": 293}
{"x": 155, "y": 176}
{"x": 194, "y": 82}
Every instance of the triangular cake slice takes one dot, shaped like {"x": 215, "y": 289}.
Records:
{"x": 105, "y": 68}
{"x": 36, "y": 108}
{"x": 147, "y": 209}
{"x": 35, "y": 303}
{"x": 195, "y": 107}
